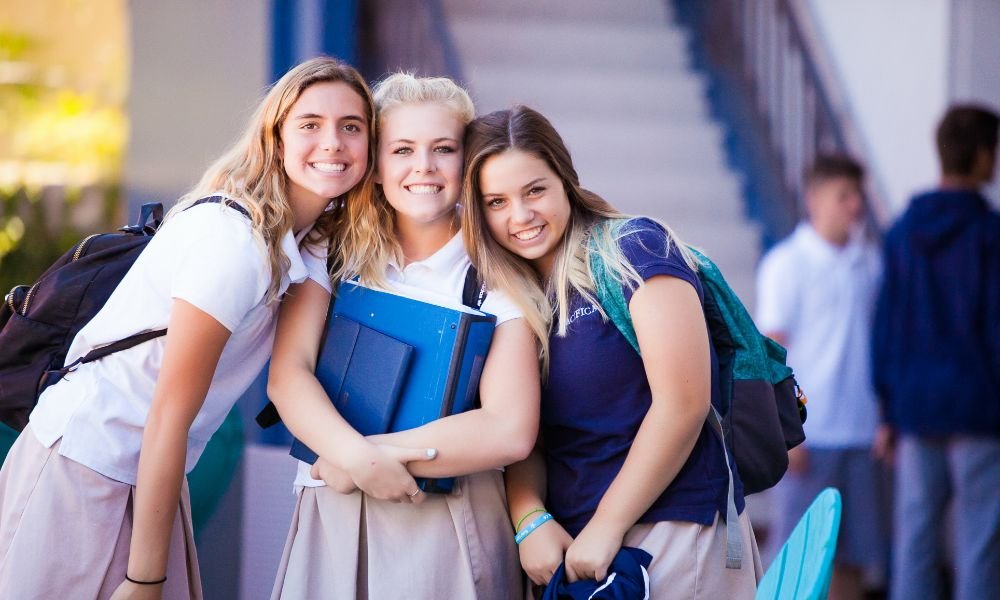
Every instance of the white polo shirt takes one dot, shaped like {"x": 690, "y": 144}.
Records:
{"x": 822, "y": 297}
{"x": 438, "y": 279}
{"x": 209, "y": 256}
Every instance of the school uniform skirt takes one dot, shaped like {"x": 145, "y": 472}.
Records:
{"x": 65, "y": 529}
{"x": 458, "y": 546}
{"x": 689, "y": 560}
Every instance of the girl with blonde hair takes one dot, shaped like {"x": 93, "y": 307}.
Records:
{"x": 362, "y": 528}
{"x": 625, "y": 457}
{"x": 93, "y": 498}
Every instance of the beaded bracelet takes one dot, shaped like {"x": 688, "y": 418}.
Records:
{"x": 546, "y": 517}
{"x": 526, "y": 515}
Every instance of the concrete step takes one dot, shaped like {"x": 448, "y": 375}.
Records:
{"x": 649, "y": 46}
{"x": 605, "y": 93}
{"x": 516, "y": 12}
{"x": 671, "y": 194}
{"x": 642, "y": 147}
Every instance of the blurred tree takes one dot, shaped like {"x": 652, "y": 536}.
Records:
{"x": 63, "y": 83}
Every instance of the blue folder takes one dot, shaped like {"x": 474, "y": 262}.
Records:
{"x": 390, "y": 388}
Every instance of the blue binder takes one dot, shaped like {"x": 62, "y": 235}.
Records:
{"x": 362, "y": 371}
{"x": 440, "y": 377}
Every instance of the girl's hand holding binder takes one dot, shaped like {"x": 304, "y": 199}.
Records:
{"x": 333, "y": 476}
{"x": 377, "y": 470}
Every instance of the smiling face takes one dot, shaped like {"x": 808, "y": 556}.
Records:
{"x": 525, "y": 206}
{"x": 420, "y": 163}
{"x": 324, "y": 147}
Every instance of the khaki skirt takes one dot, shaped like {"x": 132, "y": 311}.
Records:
{"x": 689, "y": 560}
{"x": 457, "y": 546}
{"x": 65, "y": 529}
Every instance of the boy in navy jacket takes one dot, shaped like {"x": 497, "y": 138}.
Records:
{"x": 936, "y": 359}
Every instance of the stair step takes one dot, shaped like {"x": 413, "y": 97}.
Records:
{"x": 516, "y": 12}
{"x": 560, "y": 44}
{"x": 608, "y": 91}
{"x": 646, "y": 150}
{"x": 670, "y": 195}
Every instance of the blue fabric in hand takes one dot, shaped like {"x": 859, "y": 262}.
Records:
{"x": 627, "y": 580}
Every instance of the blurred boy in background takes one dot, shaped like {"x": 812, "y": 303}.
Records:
{"x": 937, "y": 368}
{"x": 816, "y": 295}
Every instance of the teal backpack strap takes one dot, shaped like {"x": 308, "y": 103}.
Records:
{"x": 608, "y": 289}
{"x": 611, "y": 297}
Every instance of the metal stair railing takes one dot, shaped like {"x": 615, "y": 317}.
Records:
{"x": 769, "y": 54}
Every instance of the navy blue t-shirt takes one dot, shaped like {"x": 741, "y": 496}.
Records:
{"x": 595, "y": 400}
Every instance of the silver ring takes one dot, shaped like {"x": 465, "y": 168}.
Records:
{"x": 414, "y": 493}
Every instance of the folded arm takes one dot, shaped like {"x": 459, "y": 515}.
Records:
{"x": 308, "y": 412}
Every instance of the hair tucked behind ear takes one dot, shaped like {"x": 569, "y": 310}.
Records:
{"x": 526, "y": 130}
{"x": 369, "y": 236}
{"x": 252, "y": 170}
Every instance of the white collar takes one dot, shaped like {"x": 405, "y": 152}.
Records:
{"x": 441, "y": 261}
{"x": 823, "y": 249}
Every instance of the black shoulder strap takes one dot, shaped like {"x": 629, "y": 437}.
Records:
{"x": 151, "y": 211}
{"x": 473, "y": 292}
{"x": 222, "y": 200}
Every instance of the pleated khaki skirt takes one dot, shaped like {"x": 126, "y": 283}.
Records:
{"x": 65, "y": 530}
{"x": 458, "y": 546}
{"x": 689, "y": 561}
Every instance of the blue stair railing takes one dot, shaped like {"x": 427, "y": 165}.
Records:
{"x": 772, "y": 84}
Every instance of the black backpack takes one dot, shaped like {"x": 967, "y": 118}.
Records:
{"x": 38, "y": 322}
{"x": 762, "y": 408}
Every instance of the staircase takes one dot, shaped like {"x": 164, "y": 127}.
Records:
{"x": 615, "y": 80}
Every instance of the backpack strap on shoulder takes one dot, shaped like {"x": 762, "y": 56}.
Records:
{"x": 611, "y": 297}
{"x": 474, "y": 291}
{"x": 150, "y": 218}
{"x": 222, "y": 200}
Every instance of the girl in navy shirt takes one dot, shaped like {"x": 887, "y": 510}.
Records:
{"x": 625, "y": 457}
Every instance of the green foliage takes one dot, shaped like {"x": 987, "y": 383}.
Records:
{"x": 46, "y": 228}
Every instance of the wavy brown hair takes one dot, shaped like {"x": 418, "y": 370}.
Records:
{"x": 252, "y": 170}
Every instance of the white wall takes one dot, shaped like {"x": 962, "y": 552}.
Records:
{"x": 975, "y": 59}
{"x": 892, "y": 56}
{"x": 198, "y": 69}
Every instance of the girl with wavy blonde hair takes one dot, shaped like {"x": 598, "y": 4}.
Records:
{"x": 625, "y": 457}
{"x": 362, "y": 528}
{"x": 93, "y": 498}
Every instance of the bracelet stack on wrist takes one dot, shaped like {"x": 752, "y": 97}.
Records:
{"x": 538, "y": 522}
{"x": 526, "y": 515}
{"x": 138, "y": 582}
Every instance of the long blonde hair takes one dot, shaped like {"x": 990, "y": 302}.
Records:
{"x": 524, "y": 129}
{"x": 252, "y": 170}
{"x": 370, "y": 239}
